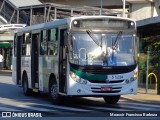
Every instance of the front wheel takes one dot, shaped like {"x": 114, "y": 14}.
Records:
{"x": 112, "y": 99}
{"x": 55, "y": 97}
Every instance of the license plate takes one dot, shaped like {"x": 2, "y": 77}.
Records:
{"x": 115, "y": 77}
{"x": 106, "y": 88}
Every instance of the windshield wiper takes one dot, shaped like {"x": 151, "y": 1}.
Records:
{"x": 89, "y": 32}
{"x": 114, "y": 47}
{"x": 119, "y": 35}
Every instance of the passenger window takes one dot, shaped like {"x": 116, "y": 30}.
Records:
{"x": 52, "y": 43}
{"x": 28, "y": 44}
{"x": 23, "y": 45}
{"x": 43, "y": 44}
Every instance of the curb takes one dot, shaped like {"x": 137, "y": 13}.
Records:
{"x": 140, "y": 99}
{"x": 129, "y": 98}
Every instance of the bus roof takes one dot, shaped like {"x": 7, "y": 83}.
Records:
{"x": 6, "y": 27}
{"x": 114, "y": 17}
{"x": 64, "y": 21}
{"x": 42, "y": 25}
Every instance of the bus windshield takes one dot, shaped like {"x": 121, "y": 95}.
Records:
{"x": 84, "y": 50}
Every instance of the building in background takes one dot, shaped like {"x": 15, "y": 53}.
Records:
{"x": 142, "y": 9}
{"x": 31, "y": 12}
{"x": 6, "y": 40}
{"x": 146, "y": 13}
{"x": 109, "y": 4}
{"x": 37, "y": 11}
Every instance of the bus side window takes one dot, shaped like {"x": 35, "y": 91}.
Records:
{"x": 28, "y": 44}
{"x": 52, "y": 42}
{"x": 43, "y": 44}
{"x": 23, "y": 44}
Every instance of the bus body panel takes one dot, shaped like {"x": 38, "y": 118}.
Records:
{"x": 26, "y": 67}
{"x": 49, "y": 65}
{"x": 95, "y": 89}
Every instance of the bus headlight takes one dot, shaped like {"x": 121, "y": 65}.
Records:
{"x": 135, "y": 76}
{"x": 77, "y": 78}
{"x": 73, "y": 76}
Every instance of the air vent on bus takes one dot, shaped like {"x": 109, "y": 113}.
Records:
{"x": 106, "y": 91}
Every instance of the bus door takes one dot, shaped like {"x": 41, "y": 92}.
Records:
{"x": 34, "y": 60}
{"x": 62, "y": 61}
{"x": 18, "y": 60}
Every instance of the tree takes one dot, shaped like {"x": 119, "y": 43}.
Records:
{"x": 153, "y": 43}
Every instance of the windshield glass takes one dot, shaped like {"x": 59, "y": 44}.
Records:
{"x": 107, "y": 51}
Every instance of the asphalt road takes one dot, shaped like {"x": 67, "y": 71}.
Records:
{"x": 13, "y": 100}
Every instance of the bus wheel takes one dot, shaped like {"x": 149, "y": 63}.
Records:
{"x": 26, "y": 90}
{"x": 55, "y": 97}
{"x": 112, "y": 99}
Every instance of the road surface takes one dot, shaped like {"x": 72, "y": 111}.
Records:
{"x": 12, "y": 100}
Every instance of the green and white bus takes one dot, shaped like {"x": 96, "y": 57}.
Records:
{"x": 77, "y": 56}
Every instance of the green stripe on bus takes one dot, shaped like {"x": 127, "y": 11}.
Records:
{"x": 89, "y": 76}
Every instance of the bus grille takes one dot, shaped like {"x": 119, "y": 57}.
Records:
{"x": 106, "y": 91}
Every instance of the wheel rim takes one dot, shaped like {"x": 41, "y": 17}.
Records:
{"x": 54, "y": 91}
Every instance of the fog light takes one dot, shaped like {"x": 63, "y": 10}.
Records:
{"x": 135, "y": 75}
{"x": 131, "y": 90}
{"x": 72, "y": 75}
{"x": 127, "y": 81}
{"x": 84, "y": 82}
{"x": 78, "y": 91}
{"x": 78, "y": 79}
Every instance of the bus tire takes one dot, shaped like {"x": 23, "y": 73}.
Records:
{"x": 26, "y": 90}
{"x": 53, "y": 92}
{"x": 111, "y": 99}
